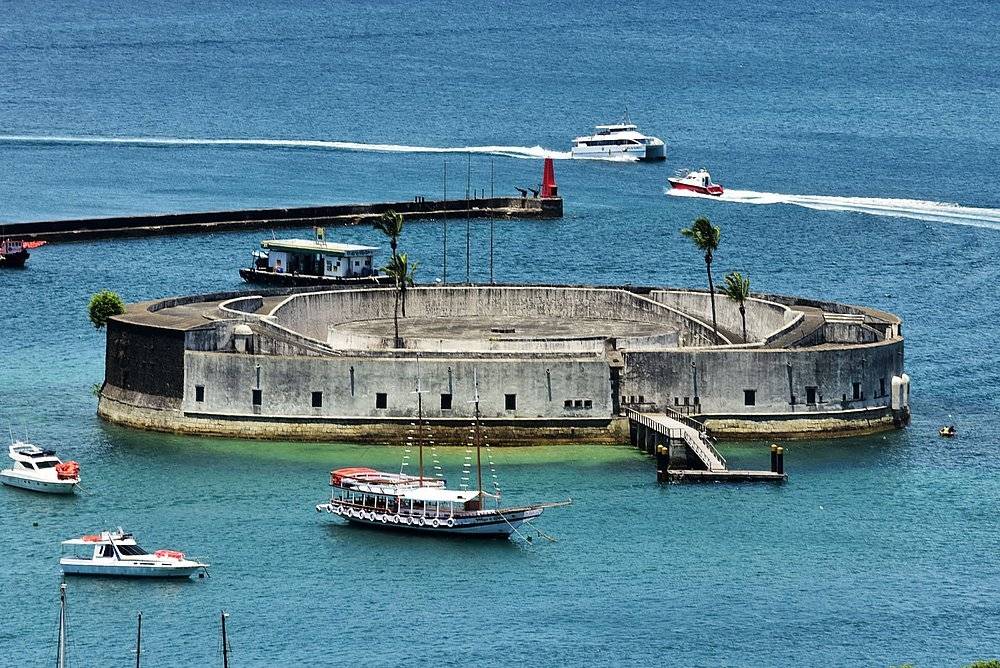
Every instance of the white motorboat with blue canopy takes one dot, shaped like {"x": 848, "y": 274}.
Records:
{"x": 39, "y": 470}
{"x": 116, "y": 553}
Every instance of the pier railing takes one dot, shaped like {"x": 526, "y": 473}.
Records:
{"x": 691, "y": 431}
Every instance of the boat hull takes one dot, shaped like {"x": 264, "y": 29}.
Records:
{"x": 299, "y": 280}
{"x": 14, "y": 260}
{"x": 488, "y": 524}
{"x": 79, "y": 567}
{"x": 650, "y": 153}
{"x": 714, "y": 190}
{"x": 44, "y": 486}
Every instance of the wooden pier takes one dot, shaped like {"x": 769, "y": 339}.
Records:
{"x": 684, "y": 452}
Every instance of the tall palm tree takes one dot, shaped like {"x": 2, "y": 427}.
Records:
{"x": 705, "y": 237}
{"x": 401, "y": 271}
{"x": 390, "y": 224}
{"x": 738, "y": 291}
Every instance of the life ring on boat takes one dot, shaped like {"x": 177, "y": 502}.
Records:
{"x": 420, "y": 521}
{"x": 394, "y": 519}
{"x": 450, "y": 522}
{"x": 435, "y": 523}
{"x": 382, "y": 518}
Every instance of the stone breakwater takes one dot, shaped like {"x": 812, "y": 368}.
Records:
{"x": 549, "y": 363}
{"x": 344, "y": 214}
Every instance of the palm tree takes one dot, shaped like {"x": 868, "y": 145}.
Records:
{"x": 738, "y": 291}
{"x": 390, "y": 224}
{"x": 401, "y": 272}
{"x": 705, "y": 236}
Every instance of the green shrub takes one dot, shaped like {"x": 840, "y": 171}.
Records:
{"x": 104, "y": 305}
{"x": 985, "y": 663}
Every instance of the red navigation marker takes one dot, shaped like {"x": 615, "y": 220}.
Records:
{"x": 549, "y": 188}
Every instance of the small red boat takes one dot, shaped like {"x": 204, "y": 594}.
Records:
{"x": 696, "y": 181}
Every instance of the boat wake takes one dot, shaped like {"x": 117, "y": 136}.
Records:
{"x": 526, "y": 152}
{"x": 939, "y": 212}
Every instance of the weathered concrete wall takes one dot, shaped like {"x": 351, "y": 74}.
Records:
{"x": 764, "y": 317}
{"x": 312, "y": 314}
{"x": 144, "y": 359}
{"x": 350, "y": 385}
{"x": 121, "y": 410}
{"x": 718, "y": 378}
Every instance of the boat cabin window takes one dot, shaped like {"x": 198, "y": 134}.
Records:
{"x": 47, "y": 464}
{"x": 28, "y": 465}
{"x": 131, "y": 550}
{"x": 106, "y": 551}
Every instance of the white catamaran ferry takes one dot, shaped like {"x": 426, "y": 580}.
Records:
{"x": 424, "y": 504}
{"x": 619, "y": 140}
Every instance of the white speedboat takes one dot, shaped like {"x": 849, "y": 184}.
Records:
{"x": 116, "y": 553}
{"x": 40, "y": 470}
{"x": 619, "y": 140}
{"x": 698, "y": 181}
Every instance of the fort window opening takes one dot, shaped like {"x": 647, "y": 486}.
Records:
{"x": 257, "y": 397}
{"x": 578, "y": 403}
{"x": 510, "y": 402}
{"x": 749, "y": 397}
{"x": 588, "y": 403}
{"x": 811, "y": 395}
{"x": 381, "y": 400}
{"x": 568, "y": 403}
{"x": 857, "y": 390}
{"x": 446, "y": 401}
{"x": 199, "y": 393}
{"x": 881, "y": 386}
{"x": 317, "y": 400}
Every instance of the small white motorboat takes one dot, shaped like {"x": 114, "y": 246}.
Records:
{"x": 115, "y": 553}
{"x": 40, "y": 470}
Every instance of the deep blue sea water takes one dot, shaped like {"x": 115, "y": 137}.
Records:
{"x": 878, "y": 551}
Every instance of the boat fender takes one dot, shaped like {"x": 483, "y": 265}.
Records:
{"x": 420, "y": 521}
{"x": 450, "y": 522}
{"x": 380, "y": 517}
{"x": 394, "y": 519}
{"x": 435, "y": 523}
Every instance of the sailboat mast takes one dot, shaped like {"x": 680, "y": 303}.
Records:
{"x": 225, "y": 642}
{"x": 138, "y": 641}
{"x": 61, "y": 649}
{"x": 420, "y": 432}
{"x": 479, "y": 452}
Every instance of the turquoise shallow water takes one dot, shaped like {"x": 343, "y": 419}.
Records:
{"x": 878, "y": 551}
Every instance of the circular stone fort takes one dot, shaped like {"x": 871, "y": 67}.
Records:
{"x": 547, "y": 363}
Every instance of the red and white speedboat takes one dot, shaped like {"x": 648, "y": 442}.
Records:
{"x": 699, "y": 181}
